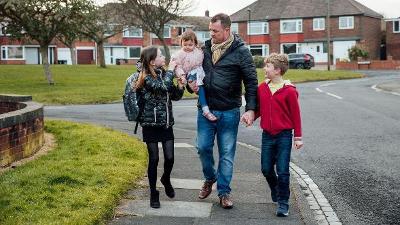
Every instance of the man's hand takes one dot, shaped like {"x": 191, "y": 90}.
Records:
{"x": 181, "y": 81}
{"x": 193, "y": 85}
{"x": 298, "y": 144}
{"x": 248, "y": 118}
{"x": 172, "y": 65}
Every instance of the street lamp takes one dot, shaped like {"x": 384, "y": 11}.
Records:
{"x": 248, "y": 29}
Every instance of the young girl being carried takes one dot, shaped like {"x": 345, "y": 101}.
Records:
{"x": 189, "y": 60}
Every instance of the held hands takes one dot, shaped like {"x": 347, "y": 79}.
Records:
{"x": 247, "y": 118}
{"x": 298, "y": 144}
{"x": 181, "y": 81}
{"x": 193, "y": 85}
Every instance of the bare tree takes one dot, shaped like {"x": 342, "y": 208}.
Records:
{"x": 103, "y": 23}
{"x": 42, "y": 21}
{"x": 153, "y": 15}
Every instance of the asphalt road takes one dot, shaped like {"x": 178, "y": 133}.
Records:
{"x": 351, "y": 135}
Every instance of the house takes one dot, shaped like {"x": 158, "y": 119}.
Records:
{"x": 393, "y": 38}
{"x": 294, "y": 26}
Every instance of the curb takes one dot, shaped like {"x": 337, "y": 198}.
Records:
{"x": 377, "y": 89}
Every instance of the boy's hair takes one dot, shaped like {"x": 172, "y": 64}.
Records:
{"x": 280, "y": 61}
{"x": 189, "y": 35}
{"x": 225, "y": 20}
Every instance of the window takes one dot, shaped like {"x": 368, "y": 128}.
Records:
{"x": 12, "y": 52}
{"x": 202, "y": 36}
{"x": 255, "y": 27}
{"x": 167, "y": 32}
{"x": 396, "y": 26}
{"x": 3, "y": 29}
{"x": 134, "y": 52}
{"x": 133, "y": 32}
{"x": 235, "y": 28}
{"x": 291, "y": 26}
{"x": 346, "y": 22}
{"x": 319, "y": 24}
{"x": 181, "y": 30}
{"x": 290, "y": 48}
{"x": 261, "y": 50}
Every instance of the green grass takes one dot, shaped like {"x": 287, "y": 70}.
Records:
{"x": 299, "y": 76}
{"x": 90, "y": 84}
{"x": 79, "y": 182}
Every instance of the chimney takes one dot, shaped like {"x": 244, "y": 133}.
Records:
{"x": 207, "y": 13}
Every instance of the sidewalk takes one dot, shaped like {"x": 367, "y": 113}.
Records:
{"x": 391, "y": 87}
{"x": 252, "y": 201}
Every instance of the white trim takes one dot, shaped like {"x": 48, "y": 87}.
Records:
{"x": 396, "y": 31}
{"x": 3, "y": 24}
{"x": 299, "y": 23}
{"x": 128, "y": 28}
{"x": 264, "y": 49}
{"x": 264, "y": 27}
{"x": 5, "y": 47}
{"x": 347, "y": 22}
{"x": 318, "y": 20}
{"x": 85, "y": 48}
{"x": 128, "y": 53}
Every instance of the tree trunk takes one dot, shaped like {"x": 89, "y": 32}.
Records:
{"x": 46, "y": 65}
{"x": 73, "y": 55}
{"x": 166, "y": 49}
{"x": 100, "y": 54}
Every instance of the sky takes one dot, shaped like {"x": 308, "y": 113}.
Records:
{"x": 388, "y": 8}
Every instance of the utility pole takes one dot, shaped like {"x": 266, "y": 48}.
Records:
{"x": 249, "y": 27}
{"x": 328, "y": 33}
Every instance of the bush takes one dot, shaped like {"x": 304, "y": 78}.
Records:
{"x": 356, "y": 51}
{"x": 258, "y": 61}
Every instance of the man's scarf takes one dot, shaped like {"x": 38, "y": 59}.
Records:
{"x": 219, "y": 49}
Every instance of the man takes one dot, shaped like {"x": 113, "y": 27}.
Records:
{"x": 227, "y": 62}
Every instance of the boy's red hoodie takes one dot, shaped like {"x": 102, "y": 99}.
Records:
{"x": 280, "y": 111}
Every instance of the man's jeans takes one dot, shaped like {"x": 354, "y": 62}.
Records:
{"x": 275, "y": 150}
{"x": 226, "y": 129}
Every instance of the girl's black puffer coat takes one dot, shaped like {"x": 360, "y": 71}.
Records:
{"x": 157, "y": 94}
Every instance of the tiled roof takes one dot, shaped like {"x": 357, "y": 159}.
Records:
{"x": 290, "y": 9}
{"x": 199, "y": 23}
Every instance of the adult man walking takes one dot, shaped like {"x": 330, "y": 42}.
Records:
{"x": 227, "y": 62}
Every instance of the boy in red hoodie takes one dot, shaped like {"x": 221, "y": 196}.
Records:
{"x": 280, "y": 115}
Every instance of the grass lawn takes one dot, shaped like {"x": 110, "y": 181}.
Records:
{"x": 79, "y": 182}
{"x": 88, "y": 84}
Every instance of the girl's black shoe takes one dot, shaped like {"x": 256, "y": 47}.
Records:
{"x": 155, "y": 199}
{"x": 169, "y": 190}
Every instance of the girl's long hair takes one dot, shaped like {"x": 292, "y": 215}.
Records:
{"x": 146, "y": 56}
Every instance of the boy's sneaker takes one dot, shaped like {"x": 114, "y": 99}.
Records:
{"x": 283, "y": 210}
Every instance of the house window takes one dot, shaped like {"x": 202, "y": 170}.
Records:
{"x": 12, "y": 53}
{"x": 133, "y": 32}
{"x": 202, "y": 36}
{"x": 396, "y": 26}
{"x": 167, "y": 32}
{"x": 319, "y": 24}
{"x": 261, "y": 50}
{"x": 134, "y": 52}
{"x": 291, "y": 26}
{"x": 346, "y": 22}
{"x": 290, "y": 48}
{"x": 255, "y": 27}
{"x": 235, "y": 28}
{"x": 181, "y": 30}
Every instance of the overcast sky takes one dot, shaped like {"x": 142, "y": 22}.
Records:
{"x": 389, "y": 8}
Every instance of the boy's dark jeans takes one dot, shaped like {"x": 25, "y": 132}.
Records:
{"x": 275, "y": 150}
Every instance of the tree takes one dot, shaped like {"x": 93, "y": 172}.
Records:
{"x": 103, "y": 23}
{"x": 42, "y": 21}
{"x": 152, "y": 15}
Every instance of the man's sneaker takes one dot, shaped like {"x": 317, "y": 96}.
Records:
{"x": 283, "y": 210}
{"x": 206, "y": 189}
{"x": 226, "y": 201}
{"x": 274, "y": 195}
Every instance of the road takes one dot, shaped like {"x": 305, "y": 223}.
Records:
{"x": 351, "y": 135}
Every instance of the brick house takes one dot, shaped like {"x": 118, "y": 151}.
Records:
{"x": 121, "y": 48}
{"x": 393, "y": 38}
{"x": 294, "y": 26}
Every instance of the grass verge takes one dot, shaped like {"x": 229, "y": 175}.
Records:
{"x": 79, "y": 182}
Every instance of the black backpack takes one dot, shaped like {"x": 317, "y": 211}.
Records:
{"x": 132, "y": 99}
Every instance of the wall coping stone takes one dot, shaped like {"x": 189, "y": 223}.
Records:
{"x": 29, "y": 112}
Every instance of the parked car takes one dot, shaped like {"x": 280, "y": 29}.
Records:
{"x": 301, "y": 61}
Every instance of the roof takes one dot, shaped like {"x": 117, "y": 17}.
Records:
{"x": 290, "y": 9}
{"x": 198, "y": 23}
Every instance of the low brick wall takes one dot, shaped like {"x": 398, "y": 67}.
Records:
{"x": 369, "y": 65}
{"x": 21, "y": 128}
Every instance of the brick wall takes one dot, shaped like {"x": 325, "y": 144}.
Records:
{"x": 21, "y": 131}
{"x": 371, "y": 36}
{"x": 389, "y": 64}
{"x": 392, "y": 41}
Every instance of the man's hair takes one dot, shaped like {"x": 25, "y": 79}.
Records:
{"x": 280, "y": 61}
{"x": 225, "y": 20}
{"x": 189, "y": 35}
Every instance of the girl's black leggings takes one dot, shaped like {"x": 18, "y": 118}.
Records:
{"x": 168, "y": 149}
